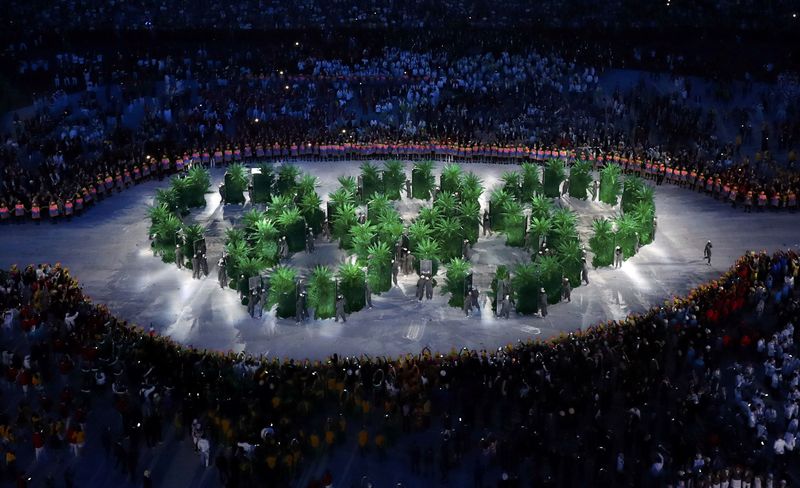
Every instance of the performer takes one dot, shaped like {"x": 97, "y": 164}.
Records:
{"x": 178, "y": 256}
{"x": 566, "y": 290}
{"x": 395, "y": 270}
{"x": 283, "y": 248}
{"x": 204, "y": 263}
{"x": 505, "y": 307}
{"x": 196, "y": 266}
{"x": 428, "y": 288}
{"x": 300, "y": 308}
{"x": 326, "y": 230}
{"x": 222, "y": 274}
{"x": 618, "y": 257}
{"x": 310, "y": 241}
{"x": 367, "y": 294}
{"x": 474, "y": 295}
{"x": 584, "y": 271}
{"x": 543, "y": 302}
{"x": 420, "y": 288}
{"x": 340, "y": 304}
{"x": 253, "y": 302}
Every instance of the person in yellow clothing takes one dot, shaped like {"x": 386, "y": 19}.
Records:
{"x": 342, "y": 426}
{"x": 363, "y": 439}
{"x": 225, "y": 425}
{"x": 313, "y": 441}
{"x": 330, "y": 438}
{"x": 288, "y": 461}
{"x": 80, "y": 441}
{"x": 11, "y": 461}
{"x": 380, "y": 445}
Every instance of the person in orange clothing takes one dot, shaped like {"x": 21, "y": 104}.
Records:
{"x": 36, "y": 212}
{"x": 775, "y": 200}
{"x": 5, "y": 213}
{"x": 330, "y": 438}
{"x": 380, "y": 445}
{"x": 314, "y": 441}
{"x": 53, "y": 212}
{"x": 762, "y": 201}
{"x": 72, "y": 439}
{"x": 363, "y": 440}
{"x": 19, "y": 212}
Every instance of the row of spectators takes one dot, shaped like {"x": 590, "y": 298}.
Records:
{"x": 176, "y": 15}
{"x": 66, "y": 196}
{"x": 701, "y": 390}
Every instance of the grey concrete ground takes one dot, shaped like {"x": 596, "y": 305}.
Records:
{"x": 108, "y": 250}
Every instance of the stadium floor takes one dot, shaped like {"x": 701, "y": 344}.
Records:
{"x": 109, "y": 252}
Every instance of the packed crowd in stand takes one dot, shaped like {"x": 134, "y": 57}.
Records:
{"x": 701, "y": 390}
{"x": 102, "y": 115}
{"x": 177, "y": 15}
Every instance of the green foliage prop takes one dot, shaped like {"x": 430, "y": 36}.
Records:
{"x": 449, "y": 233}
{"x": 610, "y": 184}
{"x": 554, "y": 174}
{"x": 550, "y": 275}
{"x": 380, "y": 267}
{"x": 235, "y": 184}
{"x": 351, "y": 286}
{"x": 602, "y": 243}
{"x": 580, "y": 177}
{"x": 512, "y": 184}
{"x": 322, "y": 292}
{"x": 530, "y": 182}
{"x": 428, "y": 249}
{"x": 291, "y": 224}
{"x": 422, "y": 180}
{"x": 457, "y": 272}
{"x": 526, "y": 284}
{"x": 344, "y": 219}
{"x": 283, "y": 291}
{"x": 450, "y": 180}
{"x": 394, "y": 179}
{"x": 371, "y": 180}
{"x": 514, "y": 221}
{"x": 287, "y": 180}
{"x": 498, "y": 201}
{"x": 262, "y": 184}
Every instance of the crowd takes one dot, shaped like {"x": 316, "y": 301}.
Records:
{"x": 122, "y": 116}
{"x": 702, "y": 390}
{"x": 178, "y": 15}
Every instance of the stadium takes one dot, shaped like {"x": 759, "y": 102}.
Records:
{"x": 369, "y": 244}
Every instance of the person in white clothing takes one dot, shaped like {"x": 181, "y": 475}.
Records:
{"x": 205, "y": 449}
{"x": 789, "y": 439}
{"x": 197, "y": 433}
{"x": 779, "y": 447}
